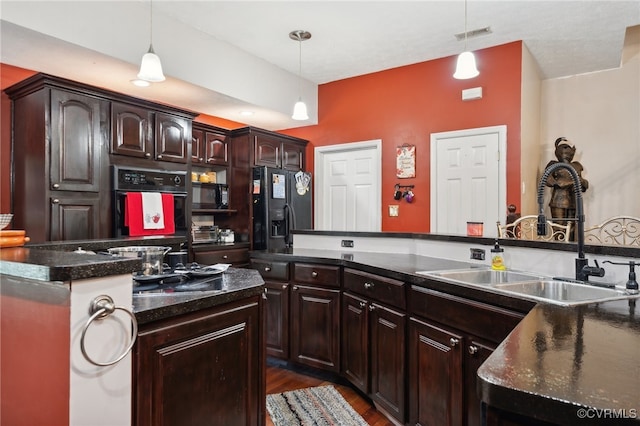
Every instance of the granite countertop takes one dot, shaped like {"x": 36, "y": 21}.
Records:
{"x": 400, "y": 266}
{"x": 51, "y": 265}
{"x": 236, "y": 284}
{"x": 569, "y": 365}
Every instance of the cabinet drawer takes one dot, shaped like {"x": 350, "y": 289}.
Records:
{"x": 317, "y": 274}
{"x": 483, "y": 320}
{"x": 385, "y": 290}
{"x": 271, "y": 270}
{"x": 235, "y": 257}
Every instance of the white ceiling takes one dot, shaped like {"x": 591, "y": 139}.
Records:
{"x": 222, "y": 57}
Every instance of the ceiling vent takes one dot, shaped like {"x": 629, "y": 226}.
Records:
{"x": 474, "y": 33}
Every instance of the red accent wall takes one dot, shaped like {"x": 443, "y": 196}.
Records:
{"x": 9, "y": 75}
{"x": 35, "y": 353}
{"x": 405, "y": 105}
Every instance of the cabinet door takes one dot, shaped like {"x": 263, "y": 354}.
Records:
{"x": 315, "y": 327}
{"x": 355, "y": 341}
{"x": 76, "y": 141}
{"x": 267, "y": 151}
{"x": 172, "y": 137}
{"x": 131, "y": 130}
{"x": 74, "y": 217}
{"x": 216, "y": 146}
{"x": 197, "y": 146}
{"x": 203, "y": 368}
{"x": 435, "y": 375}
{"x": 292, "y": 156}
{"x": 388, "y": 359}
{"x": 277, "y": 312}
{"x": 477, "y": 352}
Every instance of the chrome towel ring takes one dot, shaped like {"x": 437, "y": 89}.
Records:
{"x": 100, "y": 308}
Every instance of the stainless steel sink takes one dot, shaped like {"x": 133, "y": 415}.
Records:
{"x": 483, "y": 276}
{"x": 562, "y": 293}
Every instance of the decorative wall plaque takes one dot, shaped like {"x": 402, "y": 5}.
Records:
{"x": 406, "y": 161}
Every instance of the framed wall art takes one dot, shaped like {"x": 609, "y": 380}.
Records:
{"x": 406, "y": 161}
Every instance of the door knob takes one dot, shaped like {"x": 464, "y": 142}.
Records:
{"x": 473, "y": 349}
{"x": 314, "y": 274}
{"x": 55, "y": 201}
{"x": 147, "y": 155}
{"x": 453, "y": 342}
{"x": 267, "y": 268}
{"x": 56, "y": 186}
{"x": 368, "y": 285}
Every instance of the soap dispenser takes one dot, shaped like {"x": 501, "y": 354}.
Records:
{"x": 497, "y": 258}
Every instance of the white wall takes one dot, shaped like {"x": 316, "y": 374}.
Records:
{"x": 551, "y": 263}
{"x": 600, "y": 113}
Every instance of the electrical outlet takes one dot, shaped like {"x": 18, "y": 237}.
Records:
{"x": 347, "y": 243}
{"x": 477, "y": 254}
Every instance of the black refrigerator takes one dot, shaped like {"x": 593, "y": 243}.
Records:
{"x": 281, "y": 203}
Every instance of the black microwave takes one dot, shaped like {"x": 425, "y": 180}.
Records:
{"x": 210, "y": 196}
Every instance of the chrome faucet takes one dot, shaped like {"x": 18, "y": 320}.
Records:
{"x": 583, "y": 270}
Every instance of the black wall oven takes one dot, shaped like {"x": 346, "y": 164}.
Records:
{"x": 128, "y": 179}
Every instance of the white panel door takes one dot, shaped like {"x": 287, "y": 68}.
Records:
{"x": 468, "y": 179}
{"x": 348, "y": 187}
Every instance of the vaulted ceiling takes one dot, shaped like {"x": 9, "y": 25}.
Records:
{"x": 222, "y": 57}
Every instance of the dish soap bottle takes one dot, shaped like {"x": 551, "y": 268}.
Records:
{"x": 497, "y": 258}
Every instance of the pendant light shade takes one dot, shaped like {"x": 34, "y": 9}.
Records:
{"x": 300, "y": 108}
{"x": 300, "y": 111}
{"x": 150, "y": 67}
{"x": 466, "y": 66}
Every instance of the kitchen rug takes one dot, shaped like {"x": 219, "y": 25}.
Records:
{"x": 316, "y": 406}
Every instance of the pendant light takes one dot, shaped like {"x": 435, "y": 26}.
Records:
{"x": 466, "y": 66}
{"x": 300, "y": 108}
{"x": 151, "y": 68}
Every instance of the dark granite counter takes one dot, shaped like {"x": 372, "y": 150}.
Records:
{"x": 50, "y": 265}
{"x": 236, "y": 284}
{"x": 404, "y": 267}
{"x": 569, "y": 365}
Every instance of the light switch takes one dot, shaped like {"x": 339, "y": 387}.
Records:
{"x": 393, "y": 210}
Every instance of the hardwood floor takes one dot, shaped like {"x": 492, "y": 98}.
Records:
{"x": 282, "y": 380}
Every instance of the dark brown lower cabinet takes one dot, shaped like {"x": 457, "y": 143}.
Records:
{"x": 373, "y": 352}
{"x": 445, "y": 353}
{"x": 435, "y": 375}
{"x": 205, "y": 367}
{"x": 277, "y": 319}
{"x": 315, "y": 327}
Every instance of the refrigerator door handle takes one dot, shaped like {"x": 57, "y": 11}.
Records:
{"x": 290, "y": 223}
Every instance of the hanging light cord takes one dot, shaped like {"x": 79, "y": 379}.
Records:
{"x": 299, "y": 65}
{"x": 151, "y": 25}
{"x": 465, "y": 25}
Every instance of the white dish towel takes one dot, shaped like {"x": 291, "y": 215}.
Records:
{"x": 152, "y": 213}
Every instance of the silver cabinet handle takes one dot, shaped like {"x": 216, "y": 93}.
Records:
{"x": 295, "y": 287}
{"x": 473, "y": 349}
{"x": 55, "y": 201}
{"x": 368, "y": 285}
{"x": 147, "y": 155}
{"x": 200, "y": 159}
{"x": 100, "y": 308}
{"x": 372, "y": 308}
{"x": 363, "y": 304}
{"x": 314, "y": 274}
{"x": 225, "y": 257}
{"x": 56, "y": 185}
{"x": 453, "y": 342}
{"x": 284, "y": 286}
{"x": 267, "y": 268}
